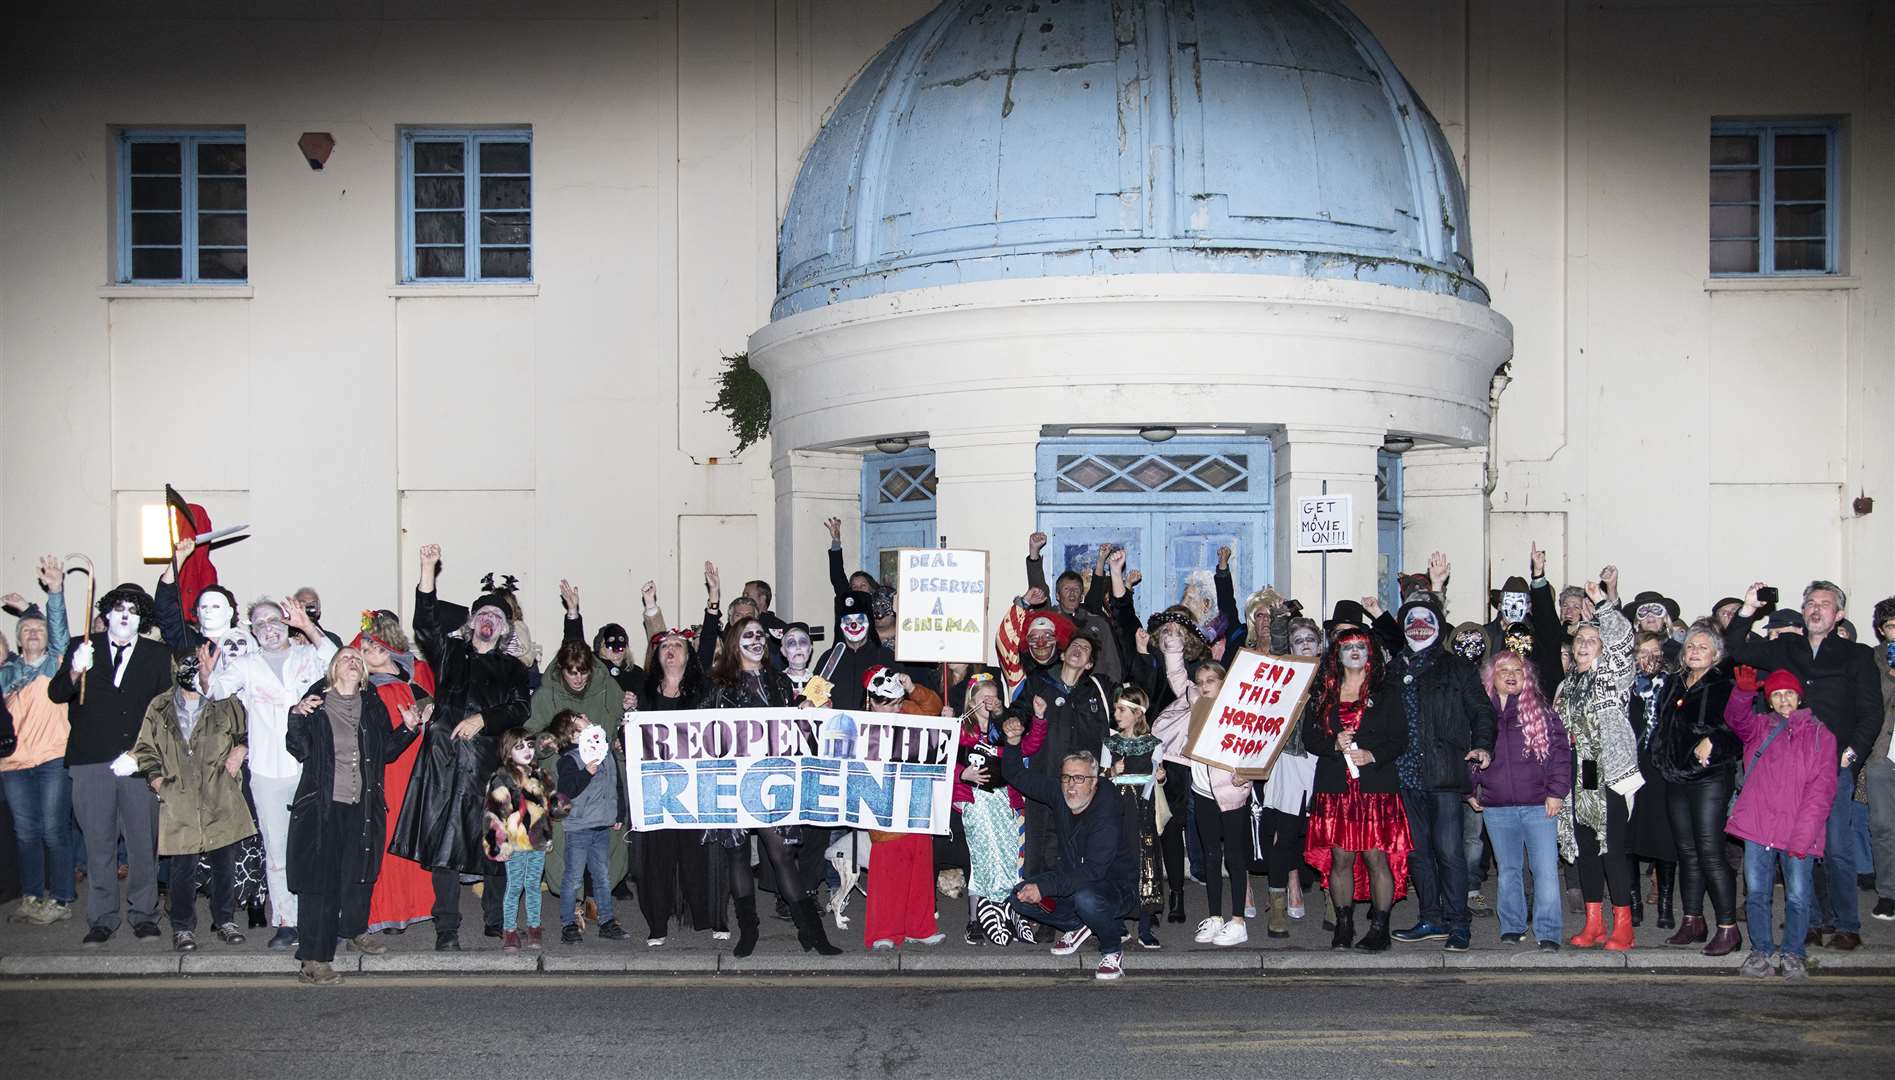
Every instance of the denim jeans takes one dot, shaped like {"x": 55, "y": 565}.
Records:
{"x": 586, "y": 849}
{"x": 1476, "y": 848}
{"x": 1841, "y": 908}
{"x": 1760, "y": 878}
{"x": 41, "y": 800}
{"x": 1525, "y": 838}
{"x": 1101, "y": 907}
{"x": 1439, "y": 862}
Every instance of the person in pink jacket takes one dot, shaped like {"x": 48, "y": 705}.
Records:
{"x": 1781, "y": 813}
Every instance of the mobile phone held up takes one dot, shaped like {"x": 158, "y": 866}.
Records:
{"x": 1767, "y": 595}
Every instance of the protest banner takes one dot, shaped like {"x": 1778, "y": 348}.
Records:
{"x": 942, "y": 601}
{"x": 1244, "y": 729}
{"x": 1325, "y": 523}
{"x": 757, "y": 768}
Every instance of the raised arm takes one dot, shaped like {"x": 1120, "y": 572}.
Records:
{"x": 430, "y": 636}
{"x": 573, "y": 626}
{"x": 838, "y": 576}
{"x": 58, "y": 632}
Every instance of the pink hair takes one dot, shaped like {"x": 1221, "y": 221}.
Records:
{"x": 1537, "y": 718}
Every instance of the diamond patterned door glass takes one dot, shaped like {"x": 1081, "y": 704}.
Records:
{"x": 1133, "y": 474}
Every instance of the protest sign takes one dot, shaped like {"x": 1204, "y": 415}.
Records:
{"x": 942, "y": 602}
{"x": 756, "y": 768}
{"x": 1325, "y": 523}
{"x": 1244, "y": 729}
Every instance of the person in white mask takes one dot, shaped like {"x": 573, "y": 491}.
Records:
{"x": 268, "y": 680}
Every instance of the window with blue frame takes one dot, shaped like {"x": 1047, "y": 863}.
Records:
{"x": 1774, "y": 197}
{"x": 467, "y": 205}
{"x": 183, "y": 208}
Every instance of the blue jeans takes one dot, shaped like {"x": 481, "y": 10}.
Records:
{"x": 41, "y": 799}
{"x": 1840, "y": 906}
{"x": 586, "y": 849}
{"x": 1760, "y": 879}
{"x": 1439, "y": 862}
{"x": 1101, "y": 907}
{"x": 1524, "y": 838}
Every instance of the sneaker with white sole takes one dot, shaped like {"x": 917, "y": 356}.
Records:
{"x": 1232, "y": 933}
{"x": 880, "y": 944}
{"x": 935, "y": 938}
{"x": 1759, "y": 964}
{"x": 1208, "y": 929}
{"x": 28, "y": 911}
{"x": 1068, "y": 943}
{"x": 1110, "y": 967}
{"x": 52, "y": 911}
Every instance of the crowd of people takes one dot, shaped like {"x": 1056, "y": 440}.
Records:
{"x": 332, "y": 792}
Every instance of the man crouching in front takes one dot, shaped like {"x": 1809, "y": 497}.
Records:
{"x": 1092, "y": 887}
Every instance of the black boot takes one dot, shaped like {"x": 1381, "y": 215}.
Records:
{"x": 1175, "y": 911}
{"x": 1376, "y": 940}
{"x": 746, "y": 926}
{"x": 809, "y": 929}
{"x": 1638, "y": 896}
{"x": 1345, "y": 928}
{"x": 257, "y": 918}
{"x": 1667, "y": 884}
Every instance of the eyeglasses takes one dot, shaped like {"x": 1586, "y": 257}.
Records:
{"x": 1076, "y": 781}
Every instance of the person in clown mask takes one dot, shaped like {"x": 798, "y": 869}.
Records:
{"x": 851, "y": 657}
{"x": 480, "y": 692}
{"x": 1450, "y": 724}
{"x": 122, "y": 672}
{"x": 268, "y": 680}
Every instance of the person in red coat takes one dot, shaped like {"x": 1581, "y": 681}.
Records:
{"x": 901, "y": 865}
{"x": 404, "y": 893}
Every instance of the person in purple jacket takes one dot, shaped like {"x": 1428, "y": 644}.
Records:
{"x": 1521, "y": 794}
{"x": 1781, "y": 813}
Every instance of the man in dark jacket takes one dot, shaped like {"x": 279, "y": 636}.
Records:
{"x": 121, "y": 673}
{"x": 480, "y": 691}
{"x": 1096, "y": 882}
{"x": 1450, "y": 723}
{"x": 850, "y": 658}
{"x": 1844, "y": 690}
{"x": 1073, "y": 705}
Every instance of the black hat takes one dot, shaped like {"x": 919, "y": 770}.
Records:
{"x": 1884, "y": 611}
{"x": 1179, "y": 618}
{"x": 140, "y": 599}
{"x": 852, "y": 603}
{"x": 1346, "y": 611}
{"x": 1783, "y": 617}
{"x": 1514, "y": 584}
{"x": 1650, "y": 597}
{"x": 492, "y": 600}
{"x": 610, "y": 632}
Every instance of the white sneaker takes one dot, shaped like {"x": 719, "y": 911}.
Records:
{"x": 28, "y": 911}
{"x": 720, "y": 935}
{"x": 935, "y": 938}
{"x": 1068, "y": 943}
{"x": 652, "y": 943}
{"x": 1110, "y": 967}
{"x": 1231, "y": 933}
{"x": 882, "y": 943}
{"x": 1208, "y": 929}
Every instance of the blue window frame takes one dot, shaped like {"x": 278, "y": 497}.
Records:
{"x": 183, "y": 208}
{"x": 1774, "y": 191}
{"x": 467, "y": 205}
{"x": 897, "y": 507}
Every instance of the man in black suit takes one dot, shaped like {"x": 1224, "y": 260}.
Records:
{"x": 122, "y": 673}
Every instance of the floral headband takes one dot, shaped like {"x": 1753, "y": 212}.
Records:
{"x": 682, "y": 633}
{"x": 368, "y": 631}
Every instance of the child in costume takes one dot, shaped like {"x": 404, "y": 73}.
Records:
{"x": 519, "y": 830}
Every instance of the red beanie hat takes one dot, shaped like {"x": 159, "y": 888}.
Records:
{"x": 1781, "y": 679}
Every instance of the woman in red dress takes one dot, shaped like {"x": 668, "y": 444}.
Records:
{"x": 1356, "y": 728}
{"x": 404, "y": 893}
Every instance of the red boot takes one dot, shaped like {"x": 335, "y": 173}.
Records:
{"x": 1621, "y": 938}
{"x": 1594, "y": 932}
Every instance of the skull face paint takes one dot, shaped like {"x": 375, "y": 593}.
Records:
{"x": 184, "y": 673}
{"x": 1513, "y": 607}
{"x": 1421, "y": 629}
{"x": 235, "y": 643}
{"x": 522, "y": 754}
{"x": 753, "y": 643}
{"x": 797, "y": 649}
{"x": 214, "y": 613}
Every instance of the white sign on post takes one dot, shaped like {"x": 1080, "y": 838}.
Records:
{"x": 941, "y": 597}
{"x": 1325, "y": 523}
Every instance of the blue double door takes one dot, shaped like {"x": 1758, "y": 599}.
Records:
{"x": 1173, "y": 548}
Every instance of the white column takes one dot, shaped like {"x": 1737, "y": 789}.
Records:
{"x": 1444, "y": 508}
{"x": 1326, "y": 461}
{"x": 811, "y": 486}
{"x": 985, "y": 498}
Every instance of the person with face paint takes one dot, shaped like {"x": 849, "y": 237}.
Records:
{"x": 1280, "y": 805}
{"x": 798, "y": 653}
{"x": 342, "y": 736}
{"x": 404, "y": 891}
{"x": 1781, "y": 814}
{"x": 480, "y": 691}
{"x": 1072, "y": 702}
{"x": 901, "y": 886}
{"x": 1521, "y": 795}
{"x": 1071, "y": 599}
{"x": 1844, "y": 690}
{"x": 268, "y": 681}
{"x": 855, "y": 651}
{"x": 519, "y": 832}
{"x": 38, "y": 789}
{"x": 577, "y": 681}
{"x": 1592, "y": 824}
{"x": 122, "y": 673}
{"x": 611, "y": 644}
{"x": 1450, "y": 723}
{"x": 741, "y": 678}
{"x": 1353, "y": 724}
{"x": 192, "y": 749}
{"x": 1648, "y": 829}
{"x": 861, "y": 581}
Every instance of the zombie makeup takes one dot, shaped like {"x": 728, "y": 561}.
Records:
{"x": 489, "y": 623}
{"x": 268, "y": 627}
{"x": 522, "y": 753}
{"x": 797, "y": 648}
{"x": 1305, "y": 642}
{"x": 1353, "y": 653}
{"x": 753, "y": 642}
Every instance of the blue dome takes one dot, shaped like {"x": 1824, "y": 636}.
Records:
{"x": 1041, "y": 138}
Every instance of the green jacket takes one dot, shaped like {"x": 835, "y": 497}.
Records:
{"x": 200, "y": 805}
{"x": 603, "y": 703}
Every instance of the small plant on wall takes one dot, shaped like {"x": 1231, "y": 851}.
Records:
{"x": 744, "y": 399}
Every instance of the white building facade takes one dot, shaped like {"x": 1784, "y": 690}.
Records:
{"x": 1012, "y": 246}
